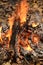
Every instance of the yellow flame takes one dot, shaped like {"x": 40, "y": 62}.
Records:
{"x": 28, "y": 48}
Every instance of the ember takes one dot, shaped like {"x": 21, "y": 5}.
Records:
{"x": 35, "y": 38}
{"x": 35, "y": 24}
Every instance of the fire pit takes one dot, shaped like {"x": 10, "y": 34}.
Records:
{"x": 21, "y": 32}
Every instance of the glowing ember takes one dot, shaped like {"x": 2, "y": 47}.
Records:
{"x": 35, "y": 38}
{"x": 28, "y": 48}
{"x": 35, "y": 24}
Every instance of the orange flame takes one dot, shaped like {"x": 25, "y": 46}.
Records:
{"x": 11, "y": 21}
{"x": 0, "y": 33}
{"x": 24, "y": 42}
{"x": 23, "y": 10}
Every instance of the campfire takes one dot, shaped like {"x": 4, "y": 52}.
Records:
{"x": 21, "y": 37}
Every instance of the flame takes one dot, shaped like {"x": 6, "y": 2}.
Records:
{"x": 28, "y": 48}
{"x": 23, "y": 10}
{"x": 0, "y": 33}
{"x": 9, "y": 32}
{"x": 24, "y": 42}
{"x": 11, "y": 21}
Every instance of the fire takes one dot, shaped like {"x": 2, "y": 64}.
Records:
{"x": 5, "y": 37}
{"x": 0, "y": 33}
{"x": 28, "y": 48}
{"x": 35, "y": 38}
{"x": 24, "y": 42}
{"x": 23, "y": 10}
{"x": 11, "y": 21}
{"x": 9, "y": 32}
{"x": 22, "y": 13}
